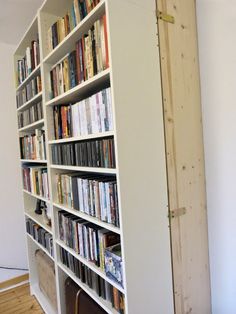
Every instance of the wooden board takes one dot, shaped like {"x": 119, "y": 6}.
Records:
{"x": 185, "y": 156}
{"x": 18, "y": 300}
{"x": 14, "y": 281}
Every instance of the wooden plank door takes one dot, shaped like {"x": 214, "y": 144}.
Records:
{"x": 184, "y": 155}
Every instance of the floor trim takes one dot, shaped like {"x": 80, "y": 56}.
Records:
{"x": 14, "y": 281}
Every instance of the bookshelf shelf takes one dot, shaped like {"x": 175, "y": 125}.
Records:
{"x": 85, "y": 169}
{"x": 40, "y": 246}
{"x": 37, "y": 196}
{"x": 39, "y": 220}
{"x": 113, "y": 55}
{"x": 32, "y": 126}
{"x": 92, "y": 219}
{"x": 34, "y": 161}
{"x": 82, "y": 138}
{"x": 78, "y": 91}
{"x": 29, "y": 77}
{"x": 30, "y": 102}
{"x": 92, "y": 266}
{"x": 104, "y": 304}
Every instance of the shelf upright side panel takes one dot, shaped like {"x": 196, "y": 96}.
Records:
{"x": 140, "y": 151}
{"x": 44, "y": 89}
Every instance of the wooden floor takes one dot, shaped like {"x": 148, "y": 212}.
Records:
{"x": 19, "y": 301}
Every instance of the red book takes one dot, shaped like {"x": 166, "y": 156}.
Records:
{"x": 64, "y": 121}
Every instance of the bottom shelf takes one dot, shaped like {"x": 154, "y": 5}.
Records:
{"x": 42, "y": 299}
{"x": 104, "y": 304}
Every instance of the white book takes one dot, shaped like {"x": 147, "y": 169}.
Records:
{"x": 28, "y": 60}
{"x": 74, "y": 120}
{"x": 80, "y": 192}
{"x": 110, "y": 114}
{"x": 84, "y": 118}
{"x": 107, "y": 190}
{"x": 93, "y": 105}
{"x": 102, "y": 111}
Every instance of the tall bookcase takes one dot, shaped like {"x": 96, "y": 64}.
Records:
{"x": 135, "y": 76}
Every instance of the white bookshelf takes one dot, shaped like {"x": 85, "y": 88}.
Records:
{"x": 135, "y": 81}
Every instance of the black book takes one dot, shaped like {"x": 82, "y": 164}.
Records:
{"x": 54, "y": 35}
{"x": 72, "y": 69}
{"x": 94, "y": 51}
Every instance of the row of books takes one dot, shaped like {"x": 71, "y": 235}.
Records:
{"x": 89, "y": 59}
{"x": 89, "y": 116}
{"x": 30, "y": 115}
{"x": 102, "y": 288}
{"x": 29, "y": 62}
{"x": 64, "y": 25}
{"x": 85, "y": 238}
{"x": 40, "y": 235}
{"x": 28, "y": 91}
{"x": 33, "y": 146}
{"x": 35, "y": 180}
{"x": 98, "y": 153}
{"x": 95, "y": 195}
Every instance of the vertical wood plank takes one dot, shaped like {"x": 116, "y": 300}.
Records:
{"x": 185, "y": 156}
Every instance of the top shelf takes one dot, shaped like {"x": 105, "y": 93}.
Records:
{"x": 68, "y": 44}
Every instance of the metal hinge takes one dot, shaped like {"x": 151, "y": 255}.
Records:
{"x": 165, "y": 17}
{"x": 177, "y": 212}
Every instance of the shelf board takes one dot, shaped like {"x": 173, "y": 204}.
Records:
{"x": 39, "y": 220}
{"x": 103, "y": 303}
{"x": 42, "y": 299}
{"x": 92, "y": 219}
{"x": 91, "y": 265}
{"x": 34, "y": 161}
{"x": 32, "y": 126}
{"x": 68, "y": 43}
{"x": 82, "y": 138}
{"x": 72, "y": 94}
{"x": 30, "y": 102}
{"x": 85, "y": 169}
{"x": 36, "y": 196}
{"x": 39, "y": 245}
{"x": 29, "y": 77}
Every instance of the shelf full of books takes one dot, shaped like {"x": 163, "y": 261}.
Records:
{"x": 85, "y": 119}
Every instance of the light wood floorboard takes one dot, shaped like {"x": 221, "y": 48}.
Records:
{"x": 18, "y": 300}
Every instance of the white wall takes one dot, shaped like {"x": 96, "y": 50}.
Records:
{"x": 217, "y": 45}
{"x": 12, "y": 239}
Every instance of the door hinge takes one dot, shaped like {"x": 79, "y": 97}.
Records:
{"x": 165, "y": 17}
{"x": 177, "y": 212}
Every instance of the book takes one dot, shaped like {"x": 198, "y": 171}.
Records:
{"x": 89, "y": 57}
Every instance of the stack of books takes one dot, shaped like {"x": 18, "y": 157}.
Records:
{"x": 64, "y": 25}
{"x": 94, "y": 153}
{"x": 35, "y": 180}
{"x": 86, "y": 239}
{"x": 88, "y": 59}
{"x": 29, "y": 91}
{"x": 102, "y": 288}
{"x": 33, "y": 146}
{"x": 89, "y": 116}
{"x": 31, "y": 115}
{"x": 30, "y": 61}
{"x": 95, "y": 195}
{"x": 40, "y": 235}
